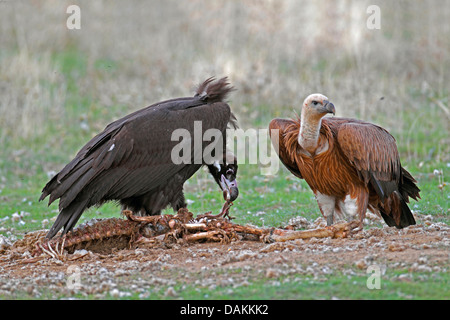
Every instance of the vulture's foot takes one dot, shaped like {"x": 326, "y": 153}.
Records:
{"x": 338, "y": 230}
{"x": 147, "y": 219}
{"x": 345, "y": 229}
{"x": 217, "y": 235}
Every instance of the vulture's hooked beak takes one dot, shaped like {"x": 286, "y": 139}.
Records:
{"x": 329, "y": 107}
{"x": 230, "y": 189}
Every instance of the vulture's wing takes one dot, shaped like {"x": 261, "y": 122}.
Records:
{"x": 285, "y": 129}
{"x": 132, "y": 144}
{"x": 373, "y": 152}
{"x": 132, "y": 156}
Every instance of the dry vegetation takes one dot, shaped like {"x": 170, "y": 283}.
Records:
{"x": 275, "y": 53}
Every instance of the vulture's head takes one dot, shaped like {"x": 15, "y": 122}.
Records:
{"x": 317, "y": 105}
{"x": 225, "y": 175}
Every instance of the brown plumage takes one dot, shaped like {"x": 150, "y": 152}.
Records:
{"x": 350, "y": 165}
{"x": 131, "y": 160}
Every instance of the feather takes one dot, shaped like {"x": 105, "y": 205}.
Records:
{"x": 210, "y": 91}
{"x": 130, "y": 160}
{"x": 352, "y": 158}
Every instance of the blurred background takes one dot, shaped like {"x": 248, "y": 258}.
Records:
{"x": 59, "y": 87}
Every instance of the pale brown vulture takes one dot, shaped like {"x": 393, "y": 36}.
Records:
{"x": 131, "y": 161}
{"x": 350, "y": 165}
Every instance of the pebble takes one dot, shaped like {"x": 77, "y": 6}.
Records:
{"x": 361, "y": 264}
{"x": 115, "y": 293}
{"x": 170, "y": 292}
{"x": 271, "y": 273}
{"x": 405, "y": 277}
{"x": 5, "y": 243}
{"x": 238, "y": 267}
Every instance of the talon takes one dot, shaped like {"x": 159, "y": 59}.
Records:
{"x": 330, "y": 220}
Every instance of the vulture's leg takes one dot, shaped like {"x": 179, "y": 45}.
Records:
{"x": 326, "y": 205}
{"x": 330, "y": 219}
{"x": 178, "y": 201}
{"x": 148, "y": 213}
{"x": 362, "y": 203}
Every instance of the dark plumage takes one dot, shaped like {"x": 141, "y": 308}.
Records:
{"x": 130, "y": 161}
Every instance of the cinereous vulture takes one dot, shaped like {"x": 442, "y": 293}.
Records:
{"x": 132, "y": 161}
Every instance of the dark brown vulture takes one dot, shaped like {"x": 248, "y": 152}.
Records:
{"x": 132, "y": 160}
{"x": 350, "y": 165}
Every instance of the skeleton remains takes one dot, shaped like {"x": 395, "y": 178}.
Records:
{"x": 107, "y": 235}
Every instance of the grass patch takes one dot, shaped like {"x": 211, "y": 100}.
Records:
{"x": 418, "y": 286}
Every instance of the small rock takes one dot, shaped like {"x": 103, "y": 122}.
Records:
{"x": 361, "y": 264}
{"x": 115, "y": 293}
{"x": 423, "y": 260}
{"x": 80, "y": 252}
{"x": 4, "y": 243}
{"x": 44, "y": 223}
{"x": 394, "y": 247}
{"x": 171, "y": 292}
{"x": 15, "y": 217}
{"x": 404, "y": 277}
{"x": 271, "y": 273}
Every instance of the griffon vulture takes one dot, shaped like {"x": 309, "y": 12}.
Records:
{"x": 350, "y": 165}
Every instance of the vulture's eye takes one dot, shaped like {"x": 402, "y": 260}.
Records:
{"x": 315, "y": 103}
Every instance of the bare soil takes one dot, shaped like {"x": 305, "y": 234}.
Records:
{"x": 121, "y": 273}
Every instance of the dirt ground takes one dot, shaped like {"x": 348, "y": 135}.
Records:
{"x": 121, "y": 273}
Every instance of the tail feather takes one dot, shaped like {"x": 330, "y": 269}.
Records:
{"x": 67, "y": 218}
{"x": 72, "y": 191}
{"x": 394, "y": 206}
{"x": 59, "y": 184}
{"x": 72, "y": 202}
{"x": 395, "y": 212}
{"x": 49, "y": 187}
{"x": 69, "y": 188}
{"x": 407, "y": 218}
{"x": 408, "y": 187}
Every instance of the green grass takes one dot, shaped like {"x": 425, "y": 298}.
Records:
{"x": 335, "y": 286}
{"x": 338, "y": 285}
{"x": 268, "y": 201}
